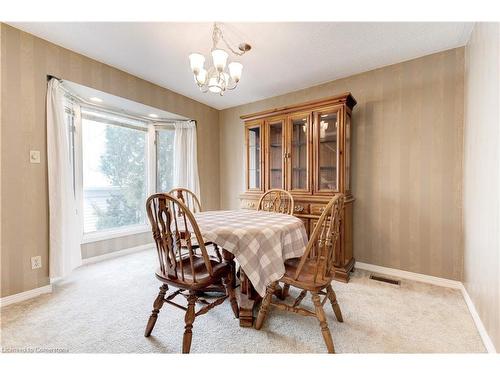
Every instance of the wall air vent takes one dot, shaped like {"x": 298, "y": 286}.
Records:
{"x": 385, "y": 279}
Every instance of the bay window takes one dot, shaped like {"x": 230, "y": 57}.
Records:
{"x": 118, "y": 161}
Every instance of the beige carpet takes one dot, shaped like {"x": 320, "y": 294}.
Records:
{"x": 103, "y": 308}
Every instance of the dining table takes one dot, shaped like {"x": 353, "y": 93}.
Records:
{"x": 260, "y": 242}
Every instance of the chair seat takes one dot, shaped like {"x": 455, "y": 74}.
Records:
{"x": 203, "y": 278}
{"x": 306, "y": 277}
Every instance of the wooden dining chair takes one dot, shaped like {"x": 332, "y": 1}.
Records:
{"x": 187, "y": 197}
{"x": 174, "y": 227}
{"x": 313, "y": 272}
{"x": 276, "y": 200}
{"x": 192, "y": 202}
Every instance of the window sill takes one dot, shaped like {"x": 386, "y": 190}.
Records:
{"x": 114, "y": 233}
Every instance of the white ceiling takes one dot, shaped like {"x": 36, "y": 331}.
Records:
{"x": 285, "y": 56}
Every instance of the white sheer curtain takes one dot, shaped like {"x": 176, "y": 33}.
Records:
{"x": 64, "y": 228}
{"x": 185, "y": 157}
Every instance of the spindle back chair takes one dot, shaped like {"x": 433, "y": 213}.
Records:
{"x": 174, "y": 229}
{"x": 192, "y": 202}
{"x": 187, "y": 197}
{"x": 313, "y": 272}
{"x": 276, "y": 200}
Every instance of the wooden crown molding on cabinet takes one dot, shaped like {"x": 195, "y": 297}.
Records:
{"x": 345, "y": 98}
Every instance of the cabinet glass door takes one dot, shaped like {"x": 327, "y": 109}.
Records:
{"x": 299, "y": 152}
{"x": 275, "y": 154}
{"x": 254, "y": 157}
{"x": 327, "y": 150}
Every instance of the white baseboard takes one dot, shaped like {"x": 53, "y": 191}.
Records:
{"x": 5, "y": 301}
{"x": 447, "y": 283}
{"x": 490, "y": 347}
{"x": 439, "y": 282}
{"x": 23, "y": 296}
{"x": 119, "y": 253}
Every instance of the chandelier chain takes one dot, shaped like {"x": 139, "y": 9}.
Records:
{"x": 217, "y": 35}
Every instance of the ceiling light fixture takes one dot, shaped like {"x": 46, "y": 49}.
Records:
{"x": 153, "y": 115}
{"x": 95, "y": 99}
{"x": 217, "y": 78}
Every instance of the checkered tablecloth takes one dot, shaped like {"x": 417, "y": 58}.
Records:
{"x": 260, "y": 241}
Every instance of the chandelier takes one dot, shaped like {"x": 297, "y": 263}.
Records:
{"x": 218, "y": 78}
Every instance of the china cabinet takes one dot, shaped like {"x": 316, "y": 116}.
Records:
{"x": 305, "y": 149}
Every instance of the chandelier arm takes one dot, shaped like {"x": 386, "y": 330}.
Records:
{"x": 231, "y": 86}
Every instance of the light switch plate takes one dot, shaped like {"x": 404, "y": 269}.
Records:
{"x": 35, "y": 156}
{"x": 36, "y": 262}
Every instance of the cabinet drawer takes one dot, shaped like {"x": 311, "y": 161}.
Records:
{"x": 301, "y": 208}
{"x": 317, "y": 209}
{"x": 248, "y": 204}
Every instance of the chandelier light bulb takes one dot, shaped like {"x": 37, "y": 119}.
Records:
{"x": 219, "y": 57}
{"x": 201, "y": 77}
{"x": 235, "y": 69}
{"x": 196, "y": 60}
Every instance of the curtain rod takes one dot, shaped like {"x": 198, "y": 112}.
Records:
{"x": 114, "y": 111}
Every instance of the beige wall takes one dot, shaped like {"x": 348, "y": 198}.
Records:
{"x": 482, "y": 175}
{"x": 407, "y": 153}
{"x": 26, "y": 61}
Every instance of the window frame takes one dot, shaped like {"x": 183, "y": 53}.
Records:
{"x": 151, "y": 130}
{"x": 156, "y": 132}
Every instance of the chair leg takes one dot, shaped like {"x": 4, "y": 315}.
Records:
{"x": 189, "y": 319}
{"x": 333, "y": 300}
{"x": 228, "y": 283}
{"x": 320, "y": 314}
{"x": 265, "y": 305}
{"x": 157, "y": 305}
